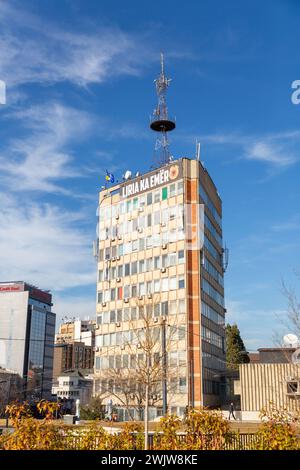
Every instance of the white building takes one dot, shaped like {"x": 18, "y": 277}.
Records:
{"x": 72, "y": 385}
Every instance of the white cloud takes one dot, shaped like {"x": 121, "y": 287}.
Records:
{"x": 270, "y": 152}
{"x": 44, "y": 245}
{"x": 38, "y": 160}
{"x": 33, "y": 51}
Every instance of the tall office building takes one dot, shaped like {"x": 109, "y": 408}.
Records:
{"x": 27, "y": 327}
{"x": 160, "y": 308}
{"x": 160, "y": 265}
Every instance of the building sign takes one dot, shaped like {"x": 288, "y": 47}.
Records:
{"x": 153, "y": 180}
{"x": 11, "y": 287}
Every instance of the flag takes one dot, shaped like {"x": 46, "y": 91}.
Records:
{"x": 109, "y": 177}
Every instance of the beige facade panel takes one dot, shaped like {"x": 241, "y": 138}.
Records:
{"x": 261, "y": 384}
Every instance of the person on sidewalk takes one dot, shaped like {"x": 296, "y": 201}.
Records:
{"x": 231, "y": 411}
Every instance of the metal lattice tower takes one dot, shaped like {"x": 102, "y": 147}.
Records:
{"x": 160, "y": 121}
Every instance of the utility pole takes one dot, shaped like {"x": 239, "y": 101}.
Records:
{"x": 146, "y": 417}
{"x": 164, "y": 367}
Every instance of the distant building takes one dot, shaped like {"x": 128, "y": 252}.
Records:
{"x": 11, "y": 386}
{"x": 77, "y": 330}
{"x": 74, "y": 346}
{"x": 27, "y": 326}
{"x": 73, "y": 384}
{"x": 74, "y": 355}
{"x": 275, "y": 355}
{"x": 260, "y": 384}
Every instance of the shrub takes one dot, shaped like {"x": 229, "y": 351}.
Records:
{"x": 278, "y": 431}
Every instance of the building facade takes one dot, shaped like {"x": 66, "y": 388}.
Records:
{"x": 75, "y": 355}
{"x": 77, "y": 330}
{"x": 261, "y": 385}
{"x": 73, "y": 385}
{"x": 160, "y": 284}
{"x": 27, "y": 326}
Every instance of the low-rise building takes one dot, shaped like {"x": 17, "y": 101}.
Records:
{"x": 75, "y": 355}
{"x": 73, "y": 384}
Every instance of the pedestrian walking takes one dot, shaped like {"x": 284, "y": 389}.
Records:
{"x": 231, "y": 411}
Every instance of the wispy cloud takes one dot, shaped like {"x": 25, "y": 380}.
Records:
{"x": 44, "y": 244}
{"x": 41, "y": 158}
{"x": 278, "y": 150}
{"x": 33, "y": 51}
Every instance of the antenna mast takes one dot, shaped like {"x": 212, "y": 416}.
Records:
{"x": 160, "y": 121}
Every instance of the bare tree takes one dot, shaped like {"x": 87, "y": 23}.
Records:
{"x": 139, "y": 384}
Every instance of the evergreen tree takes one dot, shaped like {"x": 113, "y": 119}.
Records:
{"x": 235, "y": 349}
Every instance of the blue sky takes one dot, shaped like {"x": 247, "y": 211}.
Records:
{"x": 80, "y": 90}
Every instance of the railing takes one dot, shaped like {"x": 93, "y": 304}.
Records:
{"x": 232, "y": 441}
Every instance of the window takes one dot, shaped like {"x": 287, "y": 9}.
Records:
{"x": 181, "y": 306}
{"x": 156, "y": 310}
{"x": 127, "y": 269}
{"x": 141, "y": 266}
{"x": 133, "y": 313}
{"x": 141, "y": 243}
{"x": 142, "y": 290}
{"x": 164, "y": 261}
{"x": 172, "y": 190}
{"x": 134, "y": 267}
{"x": 180, "y": 187}
{"x": 149, "y": 220}
{"x": 111, "y": 362}
{"x": 121, "y": 250}
{"x": 157, "y": 262}
{"x": 100, "y": 255}
{"x": 113, "y": 272}
{"x": 135, "y": 203}
{"x": 165, "y": 284}
{"x": 107, "y": 253}
{"x": 134, "y": 290}
{"x": 164, "y": 308}
{"x": 119, "y": 315}
{"x": 149, "y": 287}
{"x": 120, "y": 271}
{"x": 182, "y": 384}
{"x": 157, "y": 196}
{"x": 112, "y": 294}
{"x": 134, "y": 245}
{"x": 149, "y": 199}
{"x": 141, "y": 313}
{"x": 120, "y": 293}
{"x": 125, "y": 361}
{"x": 181, "y": 282}
{"x": 156, "y": 217}
{"x": 172, "y": 283}
{"x": 118, "y": 361}
{"x": 100, "y": 297}
{"x": 99, "y": 319}
{"x": 112, "y": 316}
{"x": 172, "y": 259}
{"x": 173, "y": 307}
{"x": 156, "y": 285}
{"x": 164, "y": 194}
{"x": 149, "y": 264}
{"x": 100, "y": 276}
{"x": 126, "y": 314}
{"x": 181, "y": 256}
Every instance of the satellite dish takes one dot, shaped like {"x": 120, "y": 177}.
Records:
{"x": 127, "y": 175}
{"x": 296, "y": 357}
{"x": 290, "y": 339}
{"x": 138, "y": 173}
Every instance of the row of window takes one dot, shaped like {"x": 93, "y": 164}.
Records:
{"x": 113, "y": 228}
{"x": 137, "y": 313}
{"x": 212, "y": 230}
{"x": 210, "y": 361}
{"x": 137, "y": 336}
{"x": 208, "y": 202}
{"x": 212, "y": 250}
{"x": 211, "y": 314}
{"x": 142, "y": 243}
{"x": 212, "y": 292}
{"x": 143, "y": 288}
{"x": 211, "y": 387}
{"x": 133, "y": 361}
{"x": 74, "y": 393}
{"x": 212, "y": 338}
{"x": 213, "y": 272}
{"x": 141, "y": 266}
{"x": 135, "y": 203}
